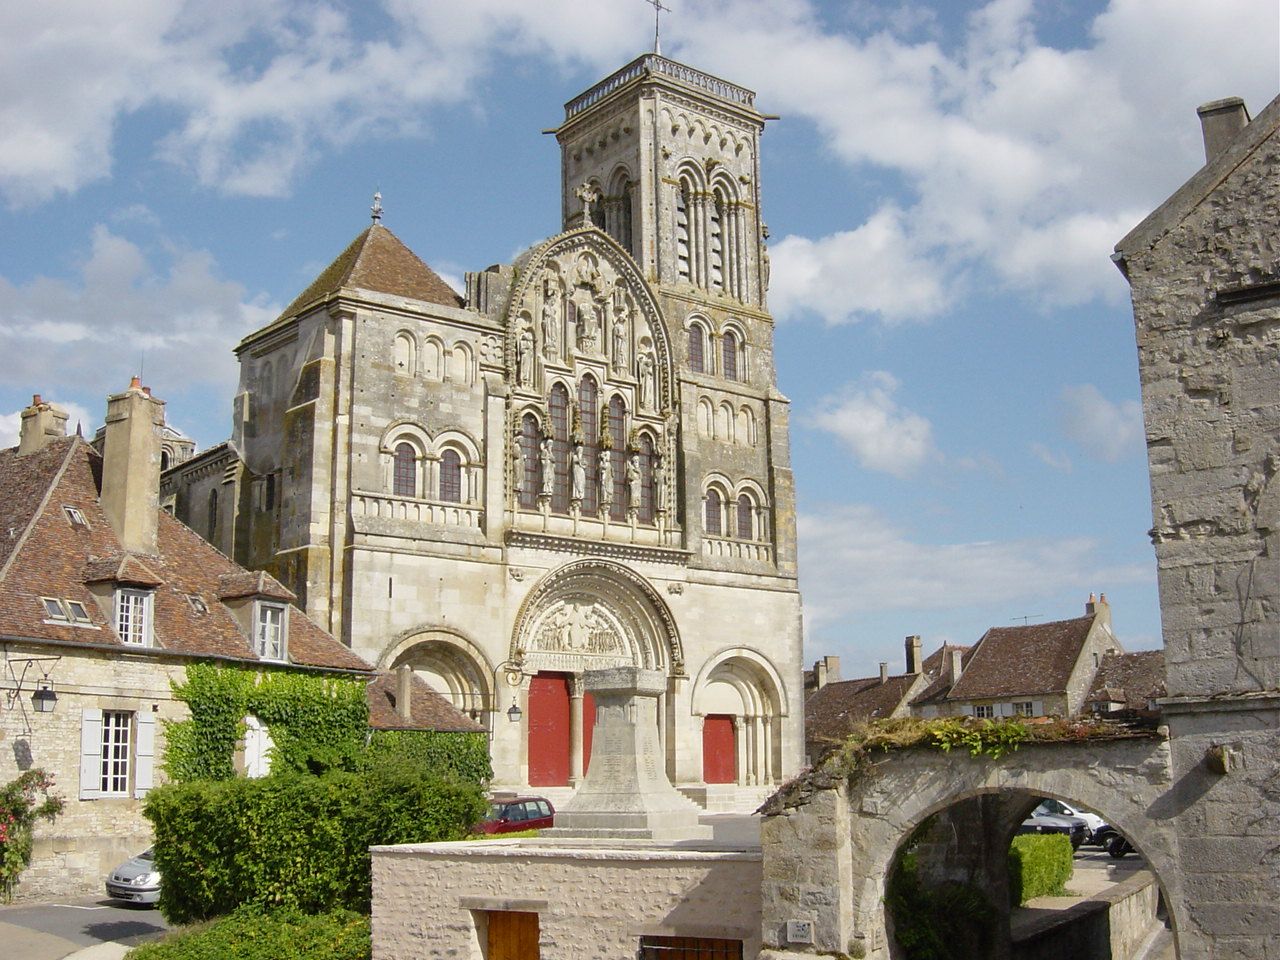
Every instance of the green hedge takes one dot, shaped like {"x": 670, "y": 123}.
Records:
{"x": 1039, "y": 866}
{"x": 463, "y": 755}
{"x": 295, "y": 840}
{"x": 252, "y": 933}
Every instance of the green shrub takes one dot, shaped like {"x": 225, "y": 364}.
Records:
{"x": 950, "y": 921}
{"x": 294, "y": 839}
{"x": 1039, "y": 866}
{"x": 23, "y": 801}
{"x": 463, "y": 755}
{"x": 252, "y": 933}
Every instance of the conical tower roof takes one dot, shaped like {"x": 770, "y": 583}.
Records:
{"x": 376, "y": 260}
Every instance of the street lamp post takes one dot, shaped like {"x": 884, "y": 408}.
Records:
{"x": 513, "y": 673}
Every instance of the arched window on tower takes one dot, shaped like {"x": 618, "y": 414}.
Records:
{"x": 682, "y": 232}
{"x": 531, "y": 464}
{"x": 729, "y": 355}
{"x": 405, "y": 351}
{"x": 715, "y": 241}
{"x": 450, "y": 476}
{"x": 648, "y": 493}
{"x": 746, "y": 517}
{"x": 697, "y": 348}
{"x": 589, "y": 411}
{"x": 618, "y": 457}
{"x": 625, "y": 236}
{"x": 713, "y": 522}
{"x": 405, "y": 471}
{"x": 559, "y": 407}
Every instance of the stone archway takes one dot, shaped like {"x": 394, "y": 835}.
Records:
{"x": 449, "y": 663}
{"x": 585, "y": 615}
{"x": 740, "y": 699}
{"x": 829, "y": 842}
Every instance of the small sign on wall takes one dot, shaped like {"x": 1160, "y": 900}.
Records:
{"x": 799, "y": 931}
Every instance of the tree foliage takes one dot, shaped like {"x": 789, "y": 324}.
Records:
{"x": 254, "y": 933}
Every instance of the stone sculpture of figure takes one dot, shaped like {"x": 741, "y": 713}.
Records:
{"x": 548, "y": 459}
{"x": 551, "y": 319}
{"x": 524, "y": 357}
{"x": 620, "y": 337}
{"x": 579, "y": 473}
{"x": 644, "y": 367}
{"x": 764, "y": 257}
{"x": 588, "y": 194}
{"x": 606, "y": 477}
{"x": 633, "y": 480}
{"x": 659, "y": 483}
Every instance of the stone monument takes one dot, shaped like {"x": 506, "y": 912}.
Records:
{"x": 626, "y": 793}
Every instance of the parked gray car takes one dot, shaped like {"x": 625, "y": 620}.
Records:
{"x": 136, "y": 880}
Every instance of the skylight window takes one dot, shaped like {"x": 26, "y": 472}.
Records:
{"x": 53, "y": 609}
{"x": 75, "y": 516}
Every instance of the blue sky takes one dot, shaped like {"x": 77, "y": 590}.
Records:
{"x": 943, "y": 190}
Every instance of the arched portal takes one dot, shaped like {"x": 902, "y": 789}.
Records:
{"x": 586, "y": 615}
{"x": 449, "y": 663}
{"x": 739, "y": 697}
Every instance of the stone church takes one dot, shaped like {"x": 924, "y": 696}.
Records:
{"x": 583, "y": 462}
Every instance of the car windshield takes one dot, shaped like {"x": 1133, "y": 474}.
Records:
{"x": 147, "y": 854}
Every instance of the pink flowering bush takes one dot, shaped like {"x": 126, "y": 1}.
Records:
{"x": 22, "y": 802}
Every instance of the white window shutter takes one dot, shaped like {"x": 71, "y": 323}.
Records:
{"x": 1004, "y": 710}
{"x": 144, "y": 767}
{"x": 90, "y": 753}
{"x": 1037, "y": 708}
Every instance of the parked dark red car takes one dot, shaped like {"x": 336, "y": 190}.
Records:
{"x": 518, "y": 813}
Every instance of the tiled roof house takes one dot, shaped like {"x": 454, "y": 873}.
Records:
{"x": 104, "y": 600}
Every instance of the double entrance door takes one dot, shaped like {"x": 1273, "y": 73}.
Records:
{"x": 556, "y": 724}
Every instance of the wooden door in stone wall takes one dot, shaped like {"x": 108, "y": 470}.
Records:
{"x": 719, "y": 751}
{"x": 513, "y": 936}
{"x": 549, "y": 730}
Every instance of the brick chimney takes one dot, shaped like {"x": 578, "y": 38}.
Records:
{"x": 131, "y": 467}
{"x": 1220, "y": 122}
{"x": 404, "y": 692}
{"x": 826, "y": 670}
{"x": 957, "y": 664}
{"x": 41, "y": 422}
{"x": 884, "y": 672}
{"x": 915, "y": 661}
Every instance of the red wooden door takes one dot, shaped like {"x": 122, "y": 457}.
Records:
{"x": 719, "y": 753}
{"x": 549, "y": 730}
{"x": 513, "y": 936}
{"x": 588, "y": 725}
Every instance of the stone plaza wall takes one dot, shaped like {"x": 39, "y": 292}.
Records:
{"x": 431, "y": 900}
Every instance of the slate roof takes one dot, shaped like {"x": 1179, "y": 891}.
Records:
{"x": 1134, "y": 679}
{"x": 376, "y": 260}
{"x": 49, "y": 556}
{"x": 831, "y": 710}
{"x": 1035, "y": 659}
{"x": 430, "y": 710}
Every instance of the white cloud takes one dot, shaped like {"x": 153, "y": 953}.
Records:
{"x": 1051, "y": 458}
{"x": 876, "y": 269}
{"x": 1104, "y": 430}
{"x": 879, "y": 433}
{"x": 124, "y": 310}
{"x": 854, "y": 563}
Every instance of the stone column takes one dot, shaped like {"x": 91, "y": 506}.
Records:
{"x": 768, "y": 748}
{"x": 626, "y": 793}
{"x": 739, "y": 750}
{"x": 575, "y": 730}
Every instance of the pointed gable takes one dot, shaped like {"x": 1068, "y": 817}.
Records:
{"x": 376, "y": 260}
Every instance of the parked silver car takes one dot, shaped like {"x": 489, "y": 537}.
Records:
{"x": 136, "y": 880}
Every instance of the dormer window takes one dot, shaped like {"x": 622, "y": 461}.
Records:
{"x": 270, "y": 630}
{"x": 133, "y": 616}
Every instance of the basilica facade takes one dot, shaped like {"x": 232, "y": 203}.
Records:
{"x": 583, "y": 462}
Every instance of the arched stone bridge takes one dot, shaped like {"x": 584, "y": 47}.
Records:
{"x": 829, "y": 841}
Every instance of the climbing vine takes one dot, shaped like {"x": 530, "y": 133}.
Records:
{"x": 22, "y": 802}
{"x": 317, "y": 723}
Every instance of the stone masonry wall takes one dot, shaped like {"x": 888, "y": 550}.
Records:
{"x": 592, "y": 904}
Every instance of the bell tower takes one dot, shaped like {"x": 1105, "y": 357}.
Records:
{"x": 669, "y": 157}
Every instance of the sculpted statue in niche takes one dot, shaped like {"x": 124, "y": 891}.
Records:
{"x": 547, "y": 458}
{"x": 621, "y": 325}
{"x": 551, "y": 318}
{"x": 524, "y": 356}
{"x": 579, "y": 470}
{"x": 517, "y": 461}
{"x": 659, "y": 484}
{"x": 644, "y": 371}
{"x": 606, "y": 477}
{"x": 633, "y": 481}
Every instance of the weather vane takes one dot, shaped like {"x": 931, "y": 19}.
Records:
{"x": 658, "y": 8}
{"x": 376, "y": 209}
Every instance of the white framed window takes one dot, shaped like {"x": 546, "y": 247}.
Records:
{"x": 78, "y": 612}
{"x": 987, "y": 710}
{"x": 1024, "y": 708}
{"x": 117, "y": 727}
{"x": 75, "y": 516}
{"x": 53, "y": 609}
{"x": 270, "y": 631}
{"x": 133, "y": 616}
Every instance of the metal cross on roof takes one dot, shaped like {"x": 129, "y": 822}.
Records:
{"x": 658, "y": 9}
{"x": 376, "y": 210}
